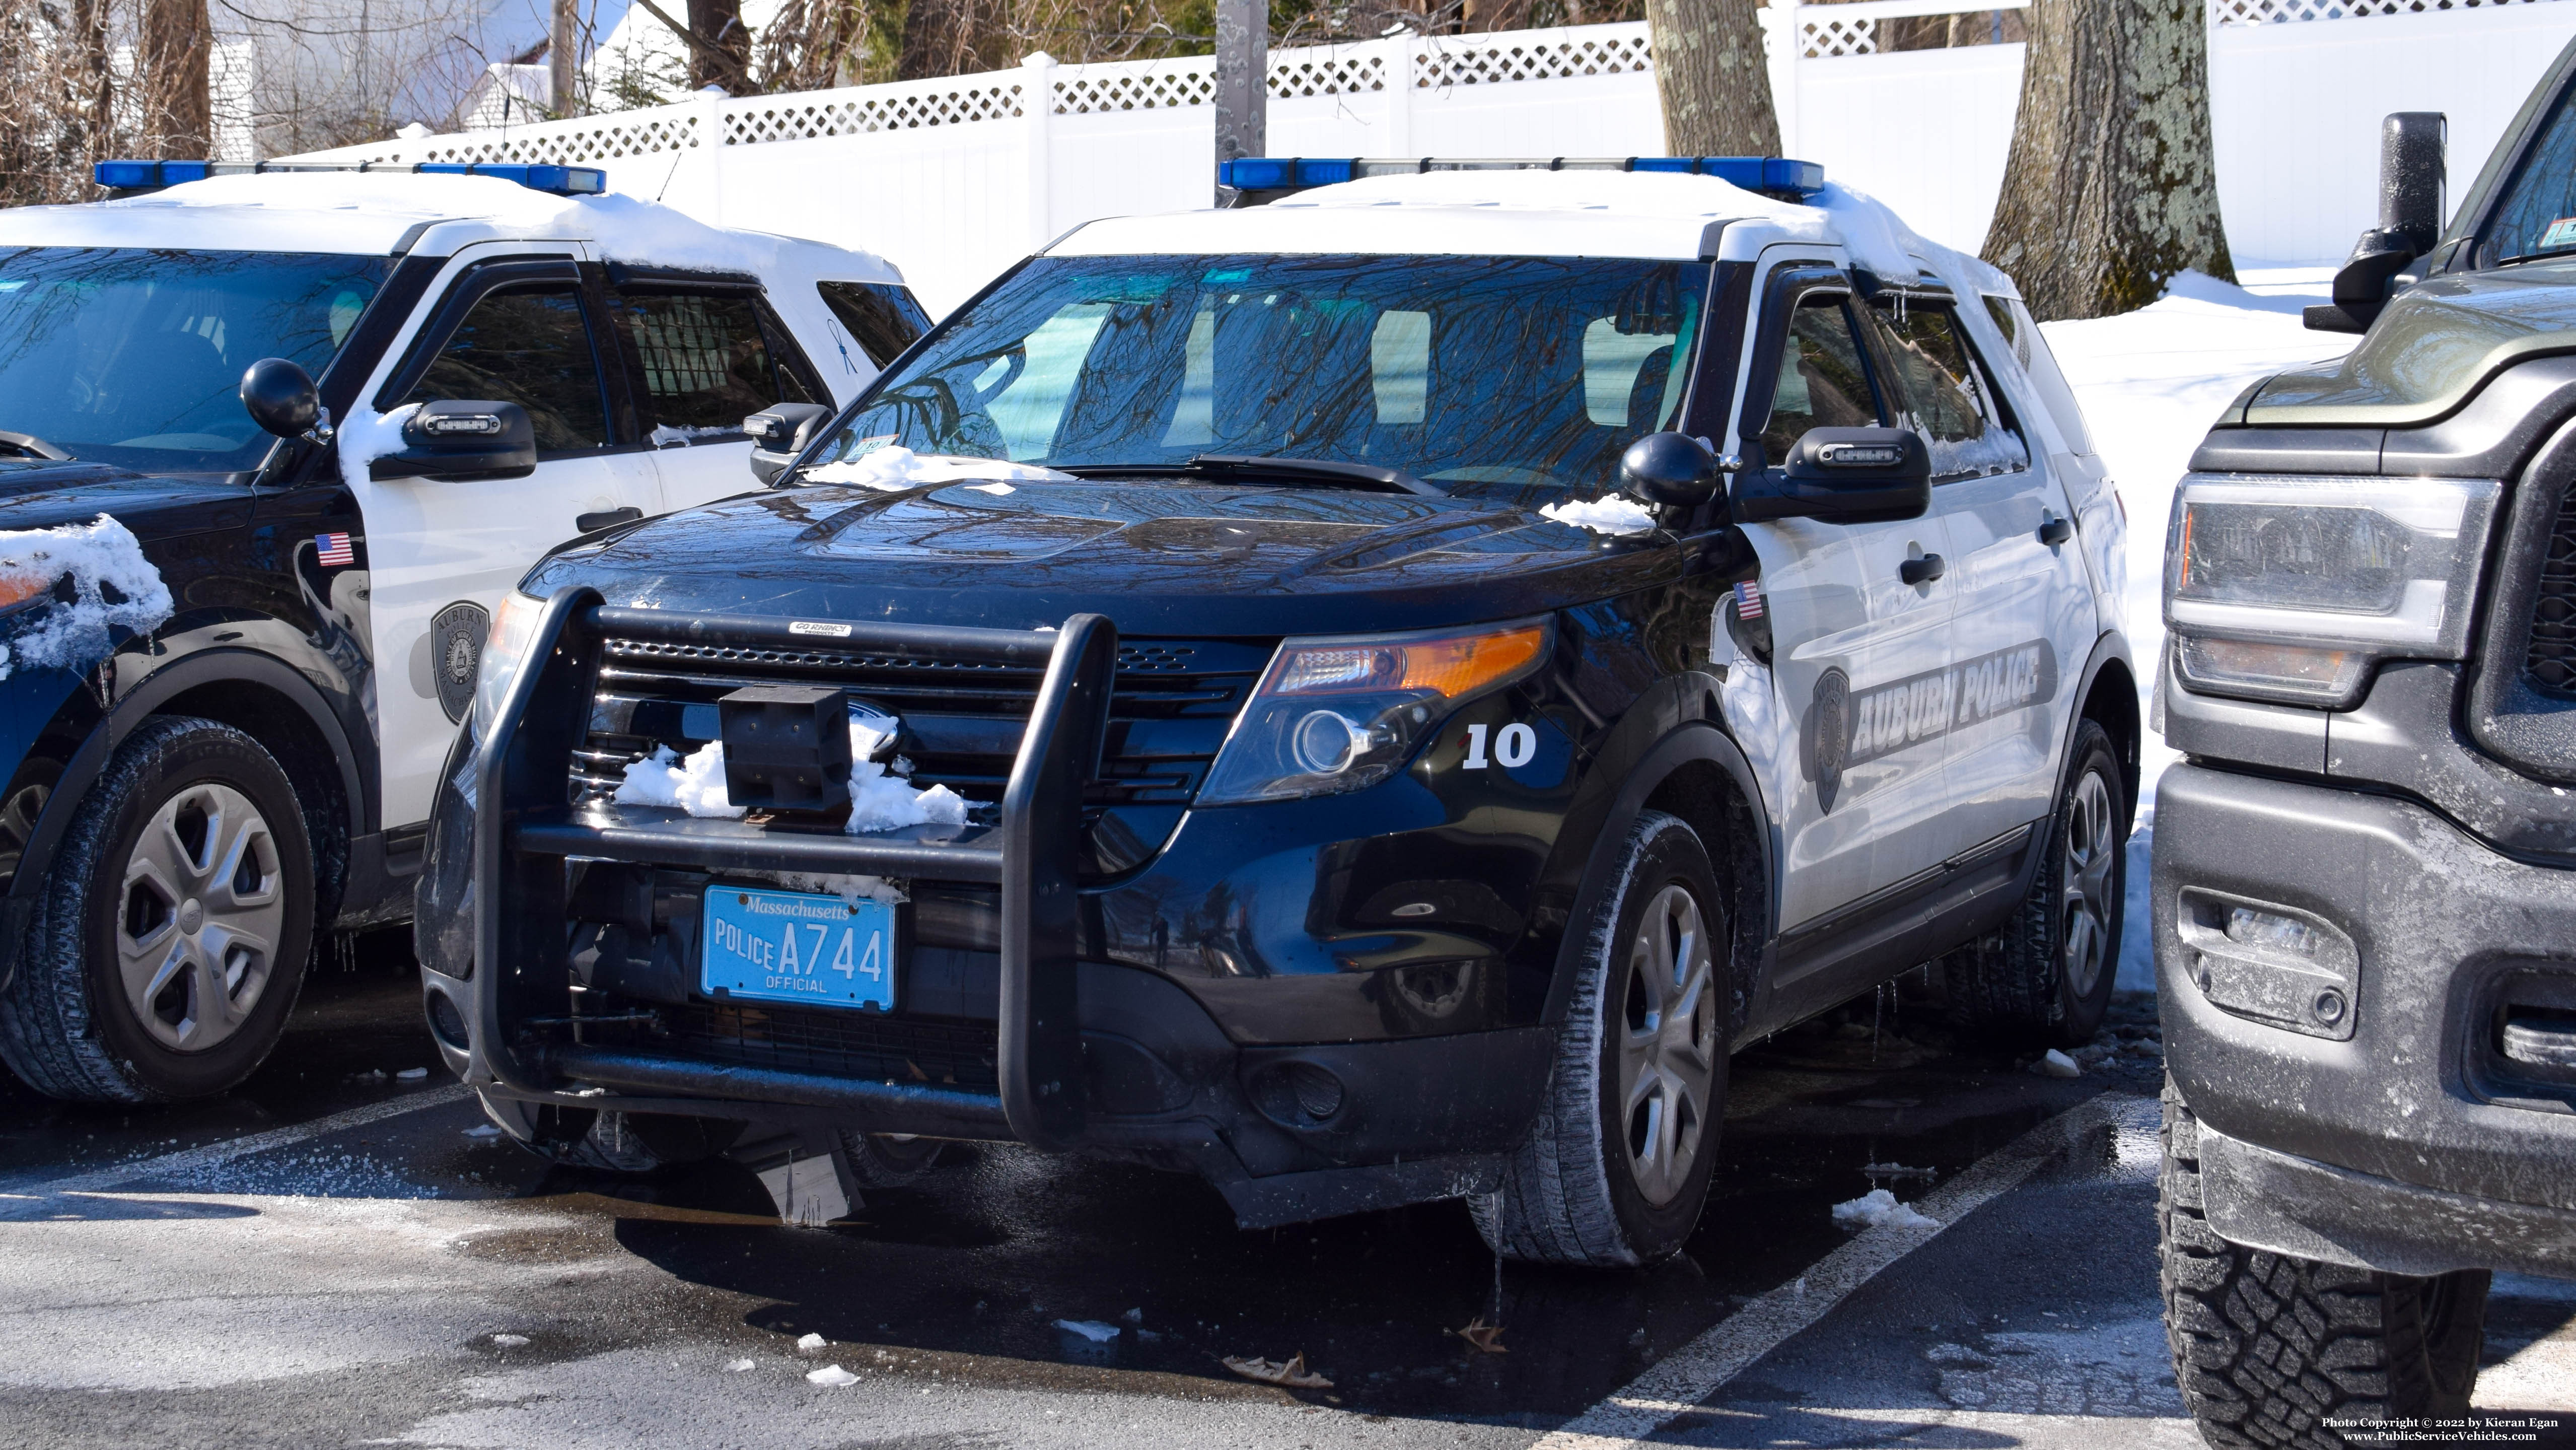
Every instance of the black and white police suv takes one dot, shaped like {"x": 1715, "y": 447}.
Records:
{"x": 1368, "y": 698}
{"x": 274, "y": 445}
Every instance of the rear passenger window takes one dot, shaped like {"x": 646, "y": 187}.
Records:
{"x": 882, "y": 318}
{"x": 1821, "y": 383}
{"x": 526, "y": 345}
{"x": 706, "y": 361}
{"x": 1944, "y": 395}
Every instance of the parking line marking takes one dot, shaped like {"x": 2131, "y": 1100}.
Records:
{"x": 1699, "y": 1369}
{"x": 213, "y": 1154}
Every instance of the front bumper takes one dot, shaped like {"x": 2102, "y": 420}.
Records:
{"x": 2398, "y": 1137}
{"x": 1080, "y": 1054}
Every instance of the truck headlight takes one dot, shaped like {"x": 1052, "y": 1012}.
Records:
{"x": 2285, "y": 588}
{"x": 503, "y": 651}
{"x": 1342, "y": 714}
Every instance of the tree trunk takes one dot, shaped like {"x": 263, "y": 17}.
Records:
{"x": 1710, "y": 73}
{"x": 951, "y": 37}
{"x": 722, "y": 54}
{"x": 171, "y": 56}
{"x": 2110, "y": 189}
{"x": 563, "y": 41}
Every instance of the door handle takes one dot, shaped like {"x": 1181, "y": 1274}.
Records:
{"x": 592, "y": 523}
{"x": 1923, "y": 570}
{"x": 2055, "y": 531}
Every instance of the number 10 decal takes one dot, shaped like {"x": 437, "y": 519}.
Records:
{"x": 1513, "y": 746}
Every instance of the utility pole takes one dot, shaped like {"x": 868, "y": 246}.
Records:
{"x": 1242, "y": 78}
{"x": 560, "y": 45}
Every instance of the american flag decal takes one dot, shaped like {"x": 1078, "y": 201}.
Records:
{"x": 1748, "y": 600}
{"x": 335, "y": 550}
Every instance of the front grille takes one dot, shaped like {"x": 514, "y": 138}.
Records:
{"x": 946, "y": 1052}
{"x": 1170, "y": 710}
{"x": 2550, "y": 662}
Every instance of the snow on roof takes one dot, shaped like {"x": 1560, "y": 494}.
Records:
{"x": 1534, "y": 213}
{"x": 367, "y": 214}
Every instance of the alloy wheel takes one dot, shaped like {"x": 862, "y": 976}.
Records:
{"x": 1668, "y": 1045}
{"x": 2092, "y": 847}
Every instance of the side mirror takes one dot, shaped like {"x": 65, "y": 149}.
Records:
{"x": 1843, "y": 476}
{"x": 779, "y": 433}
{"x": 462, "y": 440}
{"x": 281, "y": 399}
{"x": 1670, "y": 468}
{"x": 2410, "y": 221}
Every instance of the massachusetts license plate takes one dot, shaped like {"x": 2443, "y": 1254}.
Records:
{"x": 787, "y": 946}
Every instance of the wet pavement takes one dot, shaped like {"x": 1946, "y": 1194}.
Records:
{"x": 405, "y": 1276}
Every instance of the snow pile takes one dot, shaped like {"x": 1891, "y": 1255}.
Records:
{"x": 1612, "y": 515}
{"x": 810, "y": 1343}
{"x": 880, "y": 800}
{"x": 367, "y": 436}
{"x": 832, "y": 1376}
{"x": 894, "y": 466}
{"x": 1877, "y": 1209}
{"x": 98, "y": 557}
{"x": 1091, "y": 1329}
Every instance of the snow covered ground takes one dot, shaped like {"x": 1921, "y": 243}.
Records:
{"x": 2151, "y": 381}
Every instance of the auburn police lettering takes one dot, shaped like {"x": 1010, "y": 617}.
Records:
{"x": 1847, "y": 726}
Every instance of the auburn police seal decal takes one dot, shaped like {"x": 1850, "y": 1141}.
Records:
{"x": 456, "y": 652}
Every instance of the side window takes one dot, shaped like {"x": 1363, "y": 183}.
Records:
{"x": 1822, "y": 383}
{"x": 1944, "y": 394}
{"x": 526, "y": 345}
{"x": 882, "y": 318}
{"x": 706, "y": 361}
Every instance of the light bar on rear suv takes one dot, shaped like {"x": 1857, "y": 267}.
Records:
{"x": 133, "y": 178}
{"x": 1258, "y": 179}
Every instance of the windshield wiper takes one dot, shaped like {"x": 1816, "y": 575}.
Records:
{"x": 28, "y": 445}
{"x": 1231, "y": 466}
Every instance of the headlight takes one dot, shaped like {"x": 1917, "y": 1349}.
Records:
{"x": 512, "y": 628}
{"x": 1335, "y": 715}
{"x": 2291, "y": 588}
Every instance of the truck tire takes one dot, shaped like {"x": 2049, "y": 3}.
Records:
{"x": 609, "y": 1142}
{"x": 883, "y": 1160}
{"x": 2044, "y": 978}
{"x": 2267, "y": 1347}
{"x": 1617, "y": 1166}
{"x": 169, "y": 937}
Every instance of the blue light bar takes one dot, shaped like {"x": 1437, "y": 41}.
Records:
{"x": 131, "y": 176}
{"x": 1274, "y": 174}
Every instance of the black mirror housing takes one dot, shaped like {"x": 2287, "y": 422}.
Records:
{"x": 280, "y": 398}
{"x": 779, "y": 433}
{"x": 462, "y": 439}
{"x": 1670, "y": 469}
{"x": 2411, "y": 176}
{"x": 1842, "y": 476}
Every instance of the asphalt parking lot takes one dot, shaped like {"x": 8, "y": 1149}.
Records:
{"x": 340, "y": 1255}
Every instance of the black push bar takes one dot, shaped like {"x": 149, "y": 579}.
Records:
{"x": 523, "y": 830}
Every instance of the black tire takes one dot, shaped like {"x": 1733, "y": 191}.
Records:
{"x": 230, "y": 948}
{"x": 2267, "y": 1347}
{"x": 610, "y": 1142}
{"x": 881, "y": 1161}
{"x": 2044, "y": 979}
{"x": 1586, "y": 1189}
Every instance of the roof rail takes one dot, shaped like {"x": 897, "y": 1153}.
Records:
{"x": 134, "y": 178}
{"x": 1257, "y": 179}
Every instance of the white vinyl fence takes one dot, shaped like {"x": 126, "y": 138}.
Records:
{"x": 952, "y": 179}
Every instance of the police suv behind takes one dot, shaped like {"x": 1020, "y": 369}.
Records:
{"x": 276, "y": 444}
{"x": 1388, "y": 688}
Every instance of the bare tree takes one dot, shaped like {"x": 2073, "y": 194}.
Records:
{"x": 953, "y": 37}
{"x": 1713, "y": 79}
{"x": 2110, "y": 189}
{"x": 172, "y": 55}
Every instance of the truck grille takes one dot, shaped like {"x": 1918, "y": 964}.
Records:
{"x": 939, "y": 1051}
{"x": 2550, "y": 663}
{"x": 1172, "y": 705}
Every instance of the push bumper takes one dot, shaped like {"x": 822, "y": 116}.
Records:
{"x": 2357, "y": 1099}
{"x": 1089, "y": 1056}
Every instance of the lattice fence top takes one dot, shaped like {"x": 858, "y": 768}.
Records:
{"x": 2280, "y": 12}
{"x": 1541, "y": 55}
{"x": 804, "y": 115}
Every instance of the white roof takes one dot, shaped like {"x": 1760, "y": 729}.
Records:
{"x": 1536, "y": 214}
{"x": 368, "y": 214}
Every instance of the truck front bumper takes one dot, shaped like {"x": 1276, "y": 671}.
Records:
{"x": 2357, "y": 1102}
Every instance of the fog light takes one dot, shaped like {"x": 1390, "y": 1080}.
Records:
{"x": 446, "y": 1023}
{"x": 2272, "y": 964}
{"x": 1297, "y": 1094}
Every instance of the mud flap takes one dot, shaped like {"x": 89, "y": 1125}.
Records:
{"x": 807, "y": 1173}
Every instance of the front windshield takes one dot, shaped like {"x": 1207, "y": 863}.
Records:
{"x": 1512, "y": 371}
{"x": 134, "y": 357}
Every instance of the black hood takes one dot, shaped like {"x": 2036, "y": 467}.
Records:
{"x": 43, "y": 495}
{"x": 1155, "y": 557}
